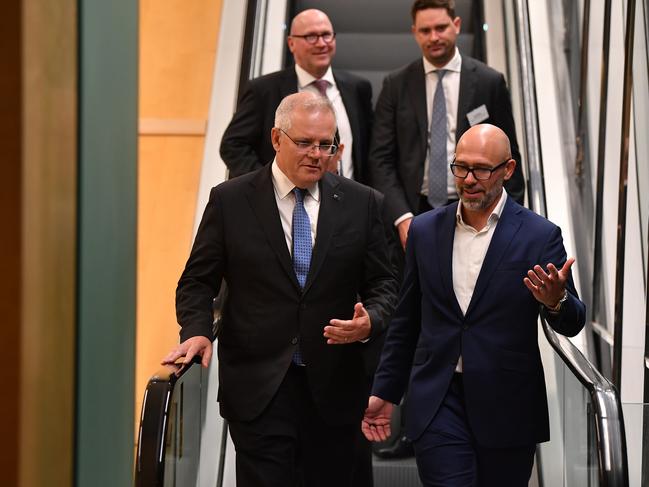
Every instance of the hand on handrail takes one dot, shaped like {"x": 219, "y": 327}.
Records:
{"x": 195, "y": 346}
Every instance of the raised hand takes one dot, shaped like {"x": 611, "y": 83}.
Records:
{"x": 548, "y": 287}
{"x": 340, "y": 332}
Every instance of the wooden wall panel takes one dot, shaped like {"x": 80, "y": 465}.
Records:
{"x": 49, "y": 199}
{"x": 178, "y": 41}
{"x": 171, "y": 168}
{"x": 177, "y": 53}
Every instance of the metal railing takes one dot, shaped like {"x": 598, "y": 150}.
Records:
{"x": 609, "y": 423}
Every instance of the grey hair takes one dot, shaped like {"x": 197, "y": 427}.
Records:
{"x": 306, "y": 101}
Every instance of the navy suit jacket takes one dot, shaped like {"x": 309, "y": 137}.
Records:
{"x": 504, "y": 385}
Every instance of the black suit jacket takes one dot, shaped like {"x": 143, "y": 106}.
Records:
{"x": 400, "y": 133}
{"x": 241, "y": 240}
{"x": 246, "y": 144}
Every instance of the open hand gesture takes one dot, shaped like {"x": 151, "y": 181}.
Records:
{"x": 548, "y": 287}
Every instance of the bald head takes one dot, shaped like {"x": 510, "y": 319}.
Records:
{"x": 306, "y": 41}
{"x": 483, "y": 162}
{"x": 306, "y": 18}
{"x": 486, "y": 139}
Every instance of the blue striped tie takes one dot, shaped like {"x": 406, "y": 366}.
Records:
{"x": 301, "y": 249}
{"x": 437, "y": 156}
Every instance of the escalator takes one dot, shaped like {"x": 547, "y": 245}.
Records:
{"x": 589, "y": 433}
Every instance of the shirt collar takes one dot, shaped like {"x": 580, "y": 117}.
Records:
{"x": 304, "y": 78}
{"x": 495, "y": 214}
{"x": 455, "y": 64}
{"x": 283, "y": 185}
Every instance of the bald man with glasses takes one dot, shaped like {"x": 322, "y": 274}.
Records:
{"x": 464, "y": 337}
{"x": 312, "y": 41}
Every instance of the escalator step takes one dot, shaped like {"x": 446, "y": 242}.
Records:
{"x": 389, "y": 473}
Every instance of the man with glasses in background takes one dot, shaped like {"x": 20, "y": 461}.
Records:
{"x": 245, "y": 145}
{"x": 304, "y": 255}
{"x": 464, "y": 338}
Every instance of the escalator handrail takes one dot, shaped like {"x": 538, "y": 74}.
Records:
{"x": 610, "y": 434}
{"x": 154, "y": 423}
{"x": 607, "y": 408}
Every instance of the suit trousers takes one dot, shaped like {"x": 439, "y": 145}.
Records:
{"x": 448, "y": 455}
{"x": 290, "y": 444}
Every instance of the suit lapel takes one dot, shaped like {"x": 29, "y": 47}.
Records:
{"x": 347, "y": 95}
{"x": 445, "y": 238}
{"x": 417, "y": 92}
{"x": 506, "y": 230}
{"x": 288, "y": 84}
{"x": 262, "y": 201}
{"x": 331, "y": 199}
{"x": 467, "y": 92}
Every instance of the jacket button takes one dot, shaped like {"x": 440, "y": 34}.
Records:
{"x": 294, "y": 341}
{"x": 303, "y": 306}
{"x": 465, "y": 327}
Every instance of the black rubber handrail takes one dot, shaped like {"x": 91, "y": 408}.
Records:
{"x": 154, "y": 424}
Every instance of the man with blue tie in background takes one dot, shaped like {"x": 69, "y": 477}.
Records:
{"x": 298, "y": 248}
{"x": 422, "y": 111}
{"x": 464, "y": 336}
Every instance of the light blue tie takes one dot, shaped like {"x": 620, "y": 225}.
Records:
{"x": 437, "y": 156}
{"x": 301, "y": 249}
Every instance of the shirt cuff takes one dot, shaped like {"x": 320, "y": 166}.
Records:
{"x": 402, "y": 218}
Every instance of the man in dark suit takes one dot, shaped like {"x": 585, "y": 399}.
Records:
{"x": 297, "y": 247}
{"x": 408, "y": 118}
{"x": 246, "y": 145}
{"x": 464, "y": 336}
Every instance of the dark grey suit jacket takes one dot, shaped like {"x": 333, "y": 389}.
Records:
{"x": 246, "y": 144}
{"x": 400, "y": 132}
{"x": 240, "y": 240}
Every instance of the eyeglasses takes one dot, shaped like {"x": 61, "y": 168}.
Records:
{"x": 480, "y": 173}
{"x": 305, "y": 147}
{"x": 327, "y": 37}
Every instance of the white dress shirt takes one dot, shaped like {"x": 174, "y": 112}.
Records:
{"x": 469, "y": 250}
{"x": 304, "y": 81}
{"x": 286, "y": 202}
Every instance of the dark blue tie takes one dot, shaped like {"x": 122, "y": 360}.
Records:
{"x": 301, "y": 249}
{"x": 437, "y": 156}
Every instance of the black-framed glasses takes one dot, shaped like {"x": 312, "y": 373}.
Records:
{"x": 305, "y": 147}
{"x": 480, "y": 173}
{"x": 327, "y": 37}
